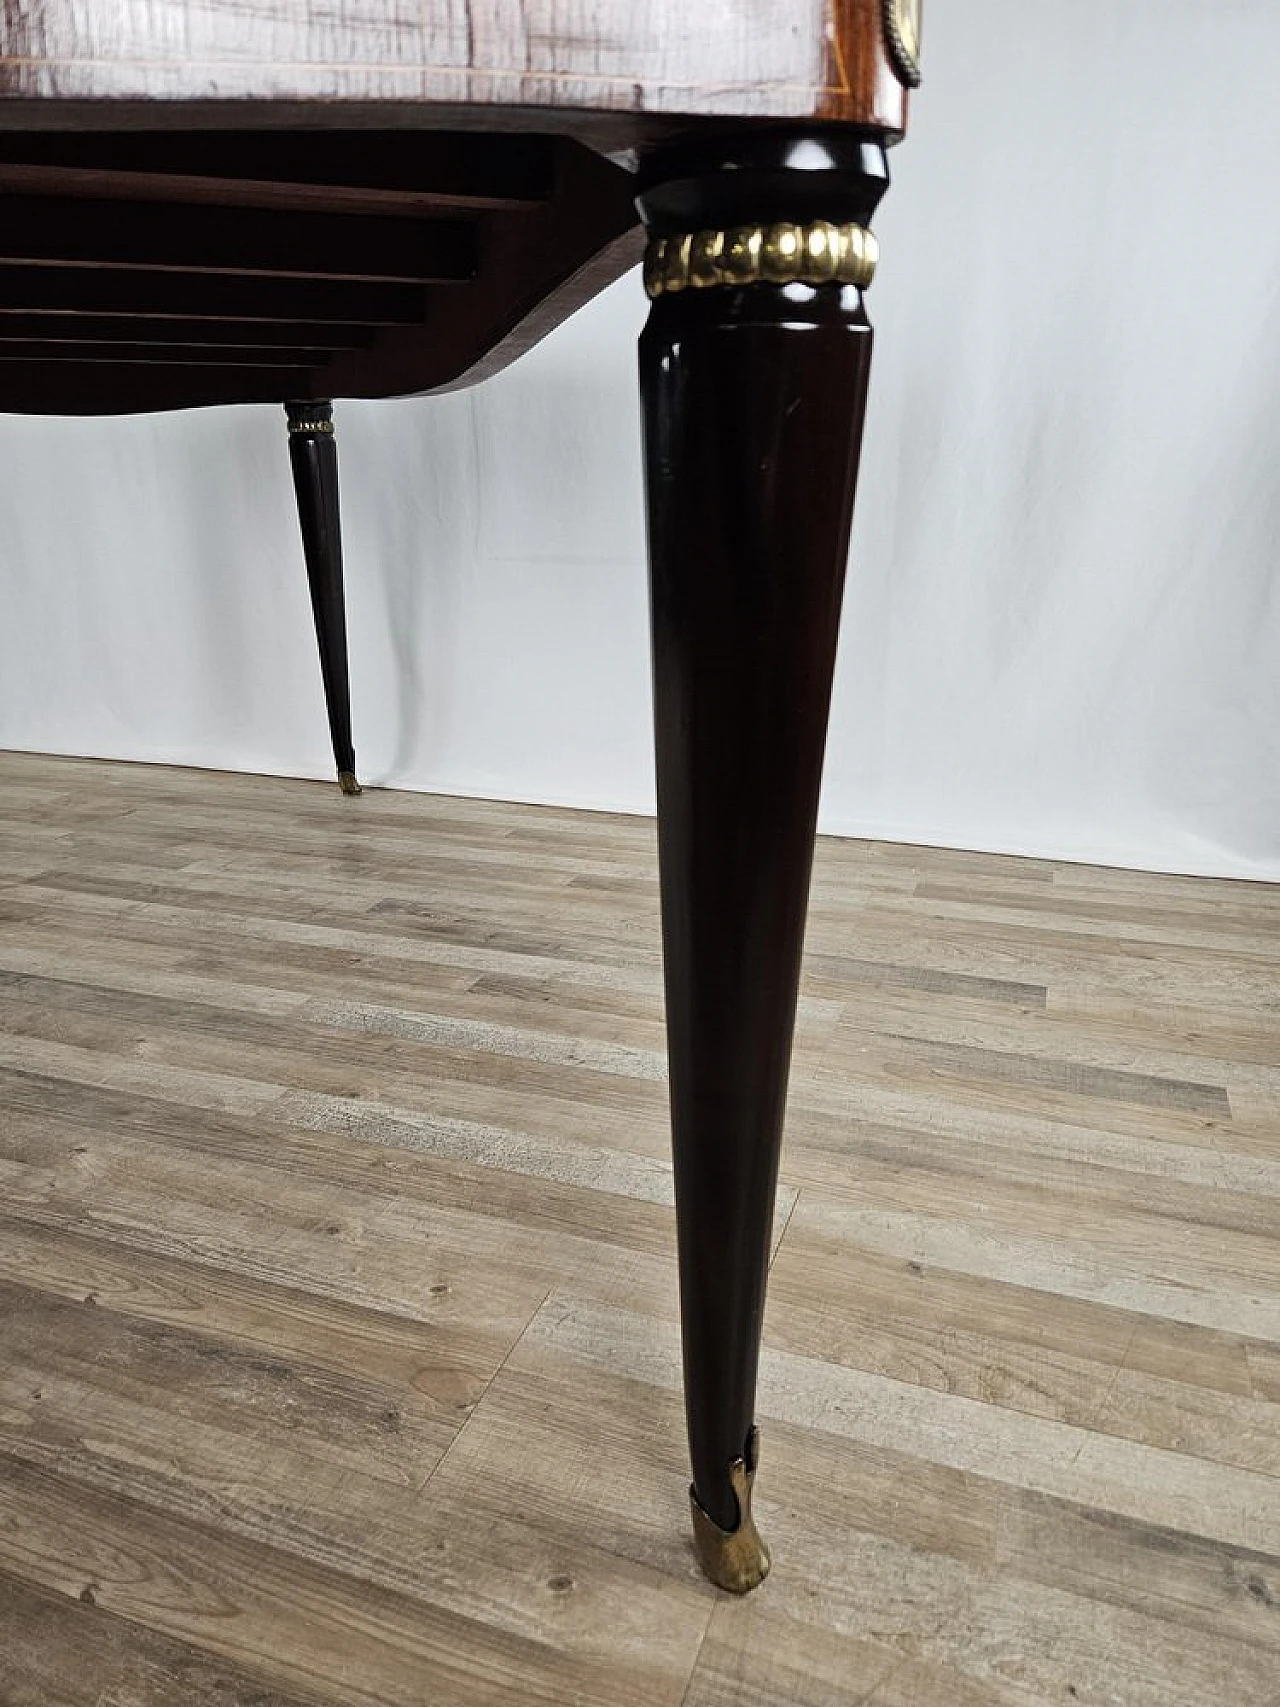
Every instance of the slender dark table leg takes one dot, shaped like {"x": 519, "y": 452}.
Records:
{"x": 313, "y": 453}
{"x": 753, "y": 367}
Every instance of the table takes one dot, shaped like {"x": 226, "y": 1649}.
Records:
{"x": 292, "y": 203}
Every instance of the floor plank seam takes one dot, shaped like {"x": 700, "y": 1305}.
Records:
{"x": 475, "y": 1409}
{"x": 777, "y": 1244}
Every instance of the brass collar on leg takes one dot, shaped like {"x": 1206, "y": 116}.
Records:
{"x": 817, "y": 253}
{"x": 348, "y": 784}
{"x": 734, "y": 1559}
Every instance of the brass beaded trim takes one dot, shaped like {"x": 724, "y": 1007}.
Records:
{"x": 310, "y": 426}
{"x": 819, "y": 253}
{"x": 902, "y": 33}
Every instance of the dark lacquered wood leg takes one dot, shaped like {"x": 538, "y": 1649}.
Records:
{"x": 313, "y": 453}
{"x": 753, "y": 402}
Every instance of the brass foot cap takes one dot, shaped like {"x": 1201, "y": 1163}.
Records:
{"x": 735, "y": 1559}
{"x": 348, "y": 784}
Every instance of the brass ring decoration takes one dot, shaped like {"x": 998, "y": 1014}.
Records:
{"x": 816, "y": 254}
{"x": 902, "y": 33}
{"x": 310, "y": 426}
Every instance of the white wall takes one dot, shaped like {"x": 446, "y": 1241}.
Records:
{"x": 1062, "y": 632}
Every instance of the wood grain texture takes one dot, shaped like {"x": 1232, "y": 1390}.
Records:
{"x": 810, "y": 58}
{"x": 339, "y": 1356}
{"x": 98, "y": 1658}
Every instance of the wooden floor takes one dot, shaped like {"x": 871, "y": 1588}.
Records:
{"x": 338, "y": 1344}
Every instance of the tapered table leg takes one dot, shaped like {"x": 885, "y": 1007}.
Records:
{"x": 754, "y": 367}
{"x": 313, "y": 454}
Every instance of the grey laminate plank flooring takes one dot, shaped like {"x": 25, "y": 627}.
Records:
{"x": 339, "y": 1356}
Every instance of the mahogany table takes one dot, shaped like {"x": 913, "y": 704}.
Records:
{"x": 291, "y": 201}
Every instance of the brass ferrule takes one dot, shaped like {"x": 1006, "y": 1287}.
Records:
{"x": 735, "y": 1559}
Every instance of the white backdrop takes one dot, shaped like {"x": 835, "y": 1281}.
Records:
{"x": 1061, "y": 630}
